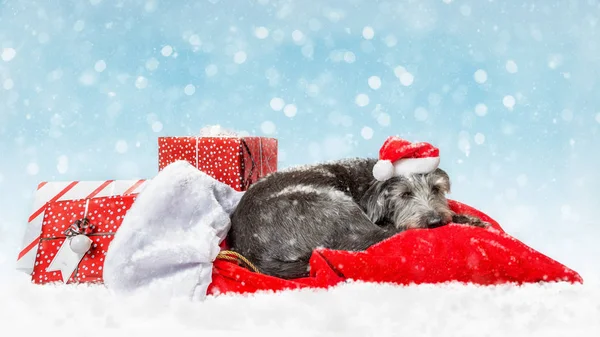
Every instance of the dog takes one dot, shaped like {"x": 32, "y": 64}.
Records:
{"x": 285, "y": 215}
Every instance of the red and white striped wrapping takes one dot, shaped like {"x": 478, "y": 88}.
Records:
{"x": 65, "y": 190}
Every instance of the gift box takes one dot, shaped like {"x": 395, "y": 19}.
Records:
{"x": 235, "y": 161}
{"x": 65, "y": 190}
{"x": 75, "y": 237}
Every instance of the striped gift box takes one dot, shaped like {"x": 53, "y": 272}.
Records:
{"x": 65, "y": 190}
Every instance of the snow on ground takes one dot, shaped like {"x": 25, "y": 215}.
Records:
{"x": 356, "y": 309}
{"x": 509, "y": 92}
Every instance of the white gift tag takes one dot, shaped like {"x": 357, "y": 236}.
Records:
{"x": 68, "y": 257}
{"x": 65, "y": 261}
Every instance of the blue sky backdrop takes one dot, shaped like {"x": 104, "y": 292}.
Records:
{"x": 508, "y": 90}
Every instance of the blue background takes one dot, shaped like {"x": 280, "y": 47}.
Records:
{"x": 86, "y": 87}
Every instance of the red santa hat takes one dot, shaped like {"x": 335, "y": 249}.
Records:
{"x": 399, "y": 157}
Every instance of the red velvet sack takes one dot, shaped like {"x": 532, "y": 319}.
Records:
{"x": 452, "y": 253}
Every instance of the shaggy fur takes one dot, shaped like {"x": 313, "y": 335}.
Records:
{"x": 284, "y": 216}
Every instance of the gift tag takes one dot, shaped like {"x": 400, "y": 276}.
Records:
{"x": 66, "y": 260}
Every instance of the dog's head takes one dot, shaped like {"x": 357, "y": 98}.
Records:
{"x": 417, "y": 201}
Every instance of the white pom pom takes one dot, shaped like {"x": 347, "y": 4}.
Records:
{"x": 383, "y": 170}
{"x": 80, "y": 244}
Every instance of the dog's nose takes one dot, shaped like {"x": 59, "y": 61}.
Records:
{"x": 434, "y": 220}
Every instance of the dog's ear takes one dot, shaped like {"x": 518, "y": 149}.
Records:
{"x": 441, "y": 180}
{"x": 375, "y": 200}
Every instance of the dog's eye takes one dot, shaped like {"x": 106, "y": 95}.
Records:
{"x": 406, "y": 195}
{"x": 435, "y": 190}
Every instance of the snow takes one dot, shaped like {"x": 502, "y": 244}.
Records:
{"x": 368, "y": 33}
{"x": 79, "y": 25}
{"x": 555, "y": 61}
{"x": 268, "y": 127}
{"x": 511, "y": 67}
{"x": 277, "y": 103}
{"x": 298, "y": 36}
{"x": 374, "y": 82}
{"x": 87, "y": 78}
{"x": 366, "y": 132}
{"x": 522, "y": 180}
{"x": 100, "y": 66}
{"x": 33, "y": 169}
{"x": 211, "y": 70}
{"x": 509, "y": 101}
{"x": 308, "y": 51}
{"x": 390, "y": 41}
{"x": 479, "y": 138}
{"x": 152, "y": 64}
{"x": 480, "y": 76}
{"x": 465, "y": 10}
{"x": 567, "y": 115}
{"x": 481, "y": 109}
{"x": 54, "y": 102}
{"x": 194, "y": 40}
{"x": 240, "y": 57}
{"x": 290, "y": 110}
{"x": 355, "y": 309}
{"x": 384, "y": 119}
{"x": 217, "y": 131}
{"x": 166, "y": 51}
{"x": 8, "y": 84}
{"x": 421, "y": 113}
{"x": 261, "y": 32}
{"x": 157, "y": 126}
{"x": 349, "y": 57}
{"x": 189, "y": 89}
{"x": 362, "y": 100}
{"x": 329, "y": 192}
{"x": 8, "y": 54}
{"x": 141, "y": 82}
{"x": 121, "y": 146}
{"x": 63, "y": 164}
{"x": 464, "y": 144}
{"x": 406, "y": 79}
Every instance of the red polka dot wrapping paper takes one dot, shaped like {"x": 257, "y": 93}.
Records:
{"x": 237, "y": 162}
{"x": 52, "y": 191}
{"x": 106, "y": 215}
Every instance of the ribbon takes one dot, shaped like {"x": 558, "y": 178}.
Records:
{"x": 246, "y": 178}
{"x": 75, "y": 246}
{"x": 79, "y": 227}
{"x": 246, "y": 182}
{"x": 197, "y": 152}
{"x": 260, "y": 155}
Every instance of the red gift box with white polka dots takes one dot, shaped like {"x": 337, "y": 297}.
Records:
{"x": 237, "y": 162}
{"x": 105, "y": 214}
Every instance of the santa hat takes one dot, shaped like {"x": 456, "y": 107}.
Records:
{"x": 399, "y": 157}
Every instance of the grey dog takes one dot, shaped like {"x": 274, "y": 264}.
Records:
{"x": 284, "y": 216}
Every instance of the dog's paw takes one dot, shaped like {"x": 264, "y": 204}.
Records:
{"x": 469, "y": 220}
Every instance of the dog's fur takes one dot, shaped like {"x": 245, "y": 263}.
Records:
{"x": 284, "y": 216}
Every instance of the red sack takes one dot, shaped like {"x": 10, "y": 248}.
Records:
{"x": 452, "y": 253}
